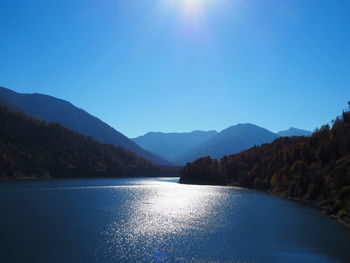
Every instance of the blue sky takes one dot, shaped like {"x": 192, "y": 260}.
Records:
{"x": 182, "y": 65}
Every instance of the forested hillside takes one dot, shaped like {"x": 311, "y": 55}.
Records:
{"x": 315, "y": 168}
{"x": 31, "y": 148}
{"x": 54, "y": 110}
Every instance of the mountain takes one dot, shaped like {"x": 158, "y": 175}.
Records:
{"x": 229, "y": 141}
{"x": 31, "y": 148}
{"x": 170, "y": 145}
{"x": 315, "y": 168}
{"x": 51, "y": 109}
{"x": 294, "y": 132}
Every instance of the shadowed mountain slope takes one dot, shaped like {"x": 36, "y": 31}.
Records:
{"x": 31, "y": 148}
{"x": 51, "y": 109}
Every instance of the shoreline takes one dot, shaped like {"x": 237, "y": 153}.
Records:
{"x": 308, "y": 202}
{"x": 311, "y": 203}
{"x": 323, "y": 209}
{"x": 30, "y": 178}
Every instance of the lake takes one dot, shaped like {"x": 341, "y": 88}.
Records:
{"x": 160, "y": 220}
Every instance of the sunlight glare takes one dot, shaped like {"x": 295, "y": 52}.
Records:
{"x": 193, "y": 7}
{"x": 193, "y": 3}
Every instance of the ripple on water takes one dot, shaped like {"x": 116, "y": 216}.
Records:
{"x": 159, "y": 220}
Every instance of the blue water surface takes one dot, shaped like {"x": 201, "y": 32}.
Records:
{"x": 160, "y": 220}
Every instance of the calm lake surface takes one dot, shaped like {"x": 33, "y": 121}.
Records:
{"x": 160, "y": 220}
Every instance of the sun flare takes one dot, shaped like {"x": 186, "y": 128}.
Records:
{"x": 193, "y": 5}
{"x": 193, "y": 9}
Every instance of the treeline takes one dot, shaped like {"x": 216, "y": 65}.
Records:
{"x": 315, "y": 168}
{"x": 30, "y": 148}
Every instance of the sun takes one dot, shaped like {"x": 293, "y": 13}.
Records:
{"x": 193, "y": 7}
{"x": 193, "y": 4}
{"x": 190, "y": 7}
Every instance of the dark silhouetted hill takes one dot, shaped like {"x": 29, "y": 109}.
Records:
{"x": 54, "y": 110}
{"x": 314, "y": 168}
{"x": 31, "y": 148}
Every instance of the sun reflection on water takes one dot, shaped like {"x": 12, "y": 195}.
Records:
{"x": 171, "y": 211}
{"x": 157, "y": 215}
{"x": 159, "y": 220}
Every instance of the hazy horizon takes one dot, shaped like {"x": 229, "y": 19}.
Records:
{"x": 189, "y": 131}
{"x": 179, "y": 66}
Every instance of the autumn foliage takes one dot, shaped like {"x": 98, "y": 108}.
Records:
{"x": 315, "y": 168}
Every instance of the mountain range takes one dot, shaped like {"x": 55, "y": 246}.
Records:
{"x": 294, "y": 132}
{"x": 158, "y": 147}
{"x": 172, "y": 145}
{"x": 181, "y": 148}
{"x": 231, "y": 140}
{"x": 54, "y": 110}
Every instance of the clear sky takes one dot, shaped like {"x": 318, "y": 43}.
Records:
{"x": 181, "y": 65}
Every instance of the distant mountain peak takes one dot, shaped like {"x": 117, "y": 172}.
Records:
{"x": 171, "y": 145}
{"x": 231, "y": 140}
{"x": 292, "y": 131}
{"x": 167, "y": 133}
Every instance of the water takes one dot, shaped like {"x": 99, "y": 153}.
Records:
{"x": 159, "y": 220}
